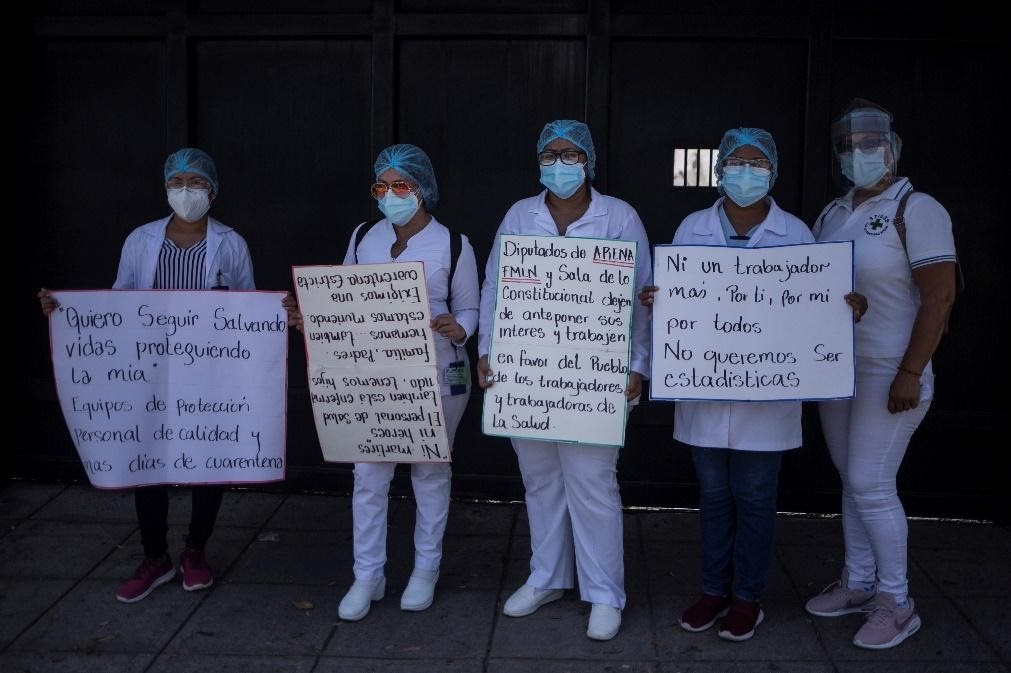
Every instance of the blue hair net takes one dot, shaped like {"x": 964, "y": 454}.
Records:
{"x": 577, "y": 133}
{"x": 760, "y": 139}
{"x": 192, "y": 160}
{"x": 865, "y": 116}
{"x": 411, "y": 162}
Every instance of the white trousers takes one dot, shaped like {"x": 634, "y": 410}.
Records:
{"x": 574, "y": 510}
{"x": 867, "y": 445}
{"x": 370, "y": 504}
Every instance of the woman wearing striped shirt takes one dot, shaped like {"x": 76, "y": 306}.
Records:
{"x": 187, "y": 250}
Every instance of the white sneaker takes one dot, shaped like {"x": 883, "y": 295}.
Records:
{"x": 604, "y": 622}
{"x": 358, "y": 600}
{"x": 420, "y": 590}
{"x": 527, "y": 599}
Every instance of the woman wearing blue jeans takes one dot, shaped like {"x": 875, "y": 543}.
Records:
{"x": 737, "y": 447}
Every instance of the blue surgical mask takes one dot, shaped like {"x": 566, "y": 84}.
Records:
{"x": 745, "y": 185}
{"x": 398, "y": 210}
{"x": 864, "y": 169}
{"x": 563, "y": 179}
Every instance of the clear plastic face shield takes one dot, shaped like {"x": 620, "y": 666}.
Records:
{"x": 865, "y": 148}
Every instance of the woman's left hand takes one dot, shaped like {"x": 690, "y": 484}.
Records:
{"x": 858, "y": 303}
{"x": 634, "y": 388}
{"x": 447, "y": 326}
{"x": 904, "y": 393}
{"x": 290, "y": 306}
{"x": 646, "y": 295}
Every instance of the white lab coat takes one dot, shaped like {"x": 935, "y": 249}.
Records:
{"x": 745, "y": 426}
{"x": 572, "y": 498}
{"x": 227, "y": 261}
{"x": 430, "y": 481}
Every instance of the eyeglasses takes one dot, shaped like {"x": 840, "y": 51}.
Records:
{"x": 867, "y": 144}
{"x": 191, "y": 183}
{"x": 739, "y": 162}
{"x": 401, "y": 188}
{"x": 568, "y": 157}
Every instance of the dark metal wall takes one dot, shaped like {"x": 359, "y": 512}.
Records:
{"x": 294, "y": 99}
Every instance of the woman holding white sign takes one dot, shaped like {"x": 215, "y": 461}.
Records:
{"x": 737, "y": 446}
{"x": 910, "y": 283}
{"x": 188, "y": 250}
{"x": 572, "y": 495}
{"x": 406, "y": 191}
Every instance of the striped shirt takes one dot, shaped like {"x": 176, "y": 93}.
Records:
{"x": 180, "y": 268}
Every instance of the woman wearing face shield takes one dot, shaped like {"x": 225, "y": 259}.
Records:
{"x": 406, "y": 192}
{"x": 910, "y": 286}
{"x": 571, "y": 489}
{"x": 188, "y": 250}
{"x": 737, "y": 447}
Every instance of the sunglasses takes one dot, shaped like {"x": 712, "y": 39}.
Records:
{"x": 401, "y": 188}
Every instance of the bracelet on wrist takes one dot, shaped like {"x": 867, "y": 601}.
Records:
{"x": 909, "y": 371}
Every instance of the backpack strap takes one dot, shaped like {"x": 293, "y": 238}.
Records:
{"x": 363, "y": 229}
{"x": 900, "y": 220}
{"x": 455, "y": 248}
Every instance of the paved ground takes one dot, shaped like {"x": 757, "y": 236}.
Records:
{"x": 283, "y": 562}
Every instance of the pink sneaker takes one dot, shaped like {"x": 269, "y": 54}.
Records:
{"x": 196, "y": 572}
{"x": 887, "y": 625}
{"x": 837, "y": 599}
{"x": 150, "y": 574}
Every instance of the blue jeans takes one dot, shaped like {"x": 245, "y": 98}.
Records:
{"x": 737, "y": 510}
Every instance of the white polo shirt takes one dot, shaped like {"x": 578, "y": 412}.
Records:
{"x": 881, "y": 266}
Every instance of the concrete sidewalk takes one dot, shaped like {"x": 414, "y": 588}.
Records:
{"x": 282, "y": 562}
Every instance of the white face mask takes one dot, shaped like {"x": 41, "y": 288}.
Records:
{"x": 189, "y": 204}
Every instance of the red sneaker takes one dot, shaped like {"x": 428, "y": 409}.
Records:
{"x": 150, "y": 574}
{"x": 196, "y": 572}
{"x": 704, "y": 612}
{"x": 741, "y": 621}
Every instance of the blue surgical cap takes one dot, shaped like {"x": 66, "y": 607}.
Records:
{"x": 192, "y": 160}
{"x": 760, "y": 139}
{"x": 575, "y": 132}
{"x": 411, "y": 162}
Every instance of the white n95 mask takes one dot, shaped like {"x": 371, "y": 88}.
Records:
{"x": 189, "y": 204}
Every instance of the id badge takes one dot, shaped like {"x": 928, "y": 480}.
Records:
{"x": 456, "y": 376}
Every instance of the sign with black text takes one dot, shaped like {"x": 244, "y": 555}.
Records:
{"x": 560, "y": 340}
{"x": 373, "y": 373}
{"x": 752, "y": 324}
{"x": 173, "y": 386}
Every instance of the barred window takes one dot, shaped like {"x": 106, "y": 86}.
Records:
{"x": 695, "y": 167}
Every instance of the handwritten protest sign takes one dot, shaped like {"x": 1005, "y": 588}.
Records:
{"x": 373, "y": 375}
{"x": 173, "y": 386}
{"x": 560, "y": 339}
{"x": 752, "y": 323}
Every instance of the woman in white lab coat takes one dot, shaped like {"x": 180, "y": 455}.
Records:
{"x": 737, "y": 447}
{"x": 572, "y": 495}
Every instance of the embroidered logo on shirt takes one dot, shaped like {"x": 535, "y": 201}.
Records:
{"x": 877, "y": 225}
